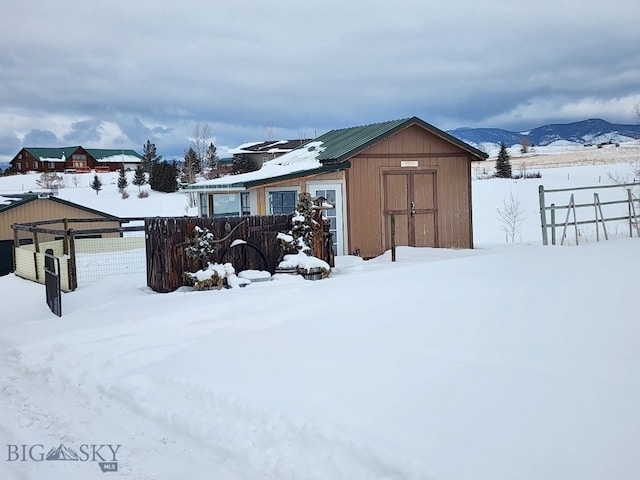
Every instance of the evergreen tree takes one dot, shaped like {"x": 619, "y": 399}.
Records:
{"x": 123, "y": 183}
{"x": 303, "y": 226}
{"x": 139, "y": 178}
{"x": 503, "y": 165}
{"x": 191, "y": 166}
{"x": 211, "y": 157}
{"x": 96, "y": 184}
{"x": 149, "y": 156}
{"x": 242, "y": 164}
{"x": 164, "y": 177}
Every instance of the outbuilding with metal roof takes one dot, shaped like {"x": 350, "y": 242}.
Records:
{"x": 31, "y": 207}
{"x": 406, "y": 169}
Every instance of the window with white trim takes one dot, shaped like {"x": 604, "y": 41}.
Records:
{"x": 204, "y": 204}
{"x": 231, "y": 204}
{"x": 282, "y": 202}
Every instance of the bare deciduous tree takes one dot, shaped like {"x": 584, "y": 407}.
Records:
{"x": 50, "y": 180}
{"x": 511, "y": 216}
{"x": 200, "y": 141}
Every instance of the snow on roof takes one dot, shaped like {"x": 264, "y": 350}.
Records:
{"x": 270, "y": 146}
{"x": 244, "y": 148}
{"x": 5, "y": 200}
{"x": 301, "y": 159}
{"x": 53, "y": 159}
{"x": 119, "y": 159}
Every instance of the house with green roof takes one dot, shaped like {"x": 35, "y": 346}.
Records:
{"x": 403, "y": 169}
{"x": 74, "y": 159}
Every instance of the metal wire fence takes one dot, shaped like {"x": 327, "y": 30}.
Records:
{"x": 87, "y": 252}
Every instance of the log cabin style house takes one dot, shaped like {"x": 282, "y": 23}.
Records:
{"x": 74, "y": 159}
{"x": 403, "y": 168}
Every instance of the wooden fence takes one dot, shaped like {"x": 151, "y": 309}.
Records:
{"x": 166, "y": 239}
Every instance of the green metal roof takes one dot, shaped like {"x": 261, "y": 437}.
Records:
{"x": 7, "y": 202}
{"x": 51, "y": 152}
{"x": 99, "y": 153}
{"x": 336, "y": 148}
{"x": 346, "y": 142}
{"x": 23, "y": 198}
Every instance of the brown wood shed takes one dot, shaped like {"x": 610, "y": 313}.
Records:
{"x": 407, "y": 168}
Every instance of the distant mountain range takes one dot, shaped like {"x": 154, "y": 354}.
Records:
{"x": 587, "y": 132}
{"x": 592, "y": 131}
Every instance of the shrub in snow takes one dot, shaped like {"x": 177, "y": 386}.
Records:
{"x": 143, "y": 194}
{"x": 305, "y": 264}
{"x": 202, "y": 246}
{"x": 214, "y": 277}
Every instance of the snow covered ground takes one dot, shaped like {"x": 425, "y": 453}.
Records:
{"x": 509, "y": 361}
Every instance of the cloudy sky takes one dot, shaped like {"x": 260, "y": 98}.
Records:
{"x": 115, "y": 73}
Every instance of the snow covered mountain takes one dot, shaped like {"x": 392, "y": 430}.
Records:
{"x": 592, "y": 131}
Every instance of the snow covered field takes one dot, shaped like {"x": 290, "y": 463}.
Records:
{"x": 502, "y": 362}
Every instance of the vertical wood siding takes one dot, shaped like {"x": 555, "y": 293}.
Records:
{"x": 367, "y": 228}
{"x": 43, "y": 209}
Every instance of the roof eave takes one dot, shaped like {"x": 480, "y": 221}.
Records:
{"x": 239, "y": 186}
{"x": 334, "y": 167}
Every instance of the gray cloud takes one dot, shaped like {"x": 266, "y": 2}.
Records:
{"x": 84, "y": 132}
{"x": 118, "y": 73}
{"x": 37, "y": 138}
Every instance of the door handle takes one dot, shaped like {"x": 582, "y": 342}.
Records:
{"x": 413, "y": 208}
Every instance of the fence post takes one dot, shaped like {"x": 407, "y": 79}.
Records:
{"x": 16, "y": 244}
{"x": 393, "y": 237}
{"x": 632, "y": 214}
{"x": 629, "y": 205}
{"x": 73, "y": 274}
{"x": 36, "y": 244}
{"x": 595, "y": 206}
{"x": 553, "y": 224}
{"x": 543, "y": 215}
{"x": 65, "y": 241}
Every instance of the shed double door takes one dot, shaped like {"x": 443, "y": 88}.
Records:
{"x": 411, "y": 196}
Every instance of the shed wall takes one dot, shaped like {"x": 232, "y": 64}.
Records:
{"x": 401, "y": 151}
{"x": 44, "y": 209}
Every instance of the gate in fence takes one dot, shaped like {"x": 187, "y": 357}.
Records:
{"x": 52, "y": 282}
{"x": 586, "y": 207}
